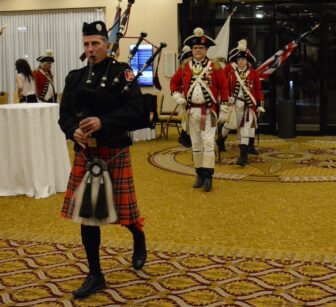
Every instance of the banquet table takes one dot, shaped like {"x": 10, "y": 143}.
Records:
{"x": 34, "y": 158}
{"x": 145, "y": 134}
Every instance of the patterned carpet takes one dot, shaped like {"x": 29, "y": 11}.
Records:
{"x": 41, "y": 274}
{"x": 292, "y": 160}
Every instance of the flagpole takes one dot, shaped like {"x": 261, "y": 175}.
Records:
{"x": 271, "y": 64}
{"x": 308, "y": 32}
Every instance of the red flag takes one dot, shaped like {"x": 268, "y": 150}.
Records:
{"x": 270, "y": 65}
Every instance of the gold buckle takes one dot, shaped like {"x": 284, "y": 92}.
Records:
{"x": 92, "y": 142}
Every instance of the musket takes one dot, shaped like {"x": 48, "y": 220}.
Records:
{"x": 148, "y": 63}
{"x": 134, "y": 50}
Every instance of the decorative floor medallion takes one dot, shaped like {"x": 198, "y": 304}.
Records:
{"x": 279, "y": 160}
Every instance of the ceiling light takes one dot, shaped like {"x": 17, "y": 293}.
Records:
{"x": 259, "y": 15}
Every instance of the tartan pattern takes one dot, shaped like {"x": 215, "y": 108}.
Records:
{"x": 120, "y": 169}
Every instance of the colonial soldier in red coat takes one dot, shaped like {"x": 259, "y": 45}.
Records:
{"x": 246, "y": 99}
{"x": 45, "y": 79}
{"x": 199, "y": 85}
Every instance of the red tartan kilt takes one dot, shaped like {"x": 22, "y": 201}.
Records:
{"x": 120, "y": 169}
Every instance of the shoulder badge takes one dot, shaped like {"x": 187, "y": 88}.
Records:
{"x": 129, "y": 75}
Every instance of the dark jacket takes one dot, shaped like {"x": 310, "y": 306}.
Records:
{"x": 117, "y": 112}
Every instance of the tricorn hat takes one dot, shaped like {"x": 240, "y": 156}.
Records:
{"x": 241, "y": 51}
{"x": 186, "y": 53}
{"x": 48, "y": 57}
{"x": 199, "y": 38}
{"x": 95, "y": 28}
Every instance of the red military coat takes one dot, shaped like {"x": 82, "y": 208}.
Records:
{"x": 252, "y": 82}
{"x": 42, "y": 80}
{"x": 215, "y": 77}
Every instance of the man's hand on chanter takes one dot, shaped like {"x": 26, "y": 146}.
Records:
{"x": 90, "y": 125}
{"x": 80, "y": 137}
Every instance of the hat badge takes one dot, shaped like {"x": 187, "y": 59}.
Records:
{"x": 99, "y": 27}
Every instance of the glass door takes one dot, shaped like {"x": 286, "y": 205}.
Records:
{"x": 298, "y": 80}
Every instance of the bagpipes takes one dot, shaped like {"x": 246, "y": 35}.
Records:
{"x": 97, "y": 96}
{"x": 102, "y": 96}
{"x": 93, "y": 200}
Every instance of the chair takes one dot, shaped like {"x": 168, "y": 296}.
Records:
{"x": 3, "y": 97}
{"x": 59, "y": 97}
{"x": 166, "y": 119}
{"x": 16, "y": 98}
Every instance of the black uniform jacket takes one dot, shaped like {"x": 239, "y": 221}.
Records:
{"x": 117, "y": 112}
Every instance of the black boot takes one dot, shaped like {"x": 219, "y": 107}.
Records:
{"x": 221, "y": 143}
{"x": 199, "y": 179}
{"x": 139, "y": 247}
{"x": 91, "y": 284}
{"x": 242, "y": 160}
{"x": 251, "y": 148}
{"x": 184, "y": 139}
{"x": 207, "y": 185}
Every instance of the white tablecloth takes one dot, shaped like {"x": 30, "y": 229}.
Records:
{"x": 34, "y": 158}
{"x": 145, "y": 134}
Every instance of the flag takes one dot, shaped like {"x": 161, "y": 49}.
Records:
{"x": 116, "y": 25}
{"x": 272, "y": 64}
{"x": 220, "y": 51}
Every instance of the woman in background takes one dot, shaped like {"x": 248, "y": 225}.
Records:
{"x": 25, "y": 82}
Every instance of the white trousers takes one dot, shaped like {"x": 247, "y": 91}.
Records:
{"x": 236, "y": 117}
{"x": 203, "y": 142}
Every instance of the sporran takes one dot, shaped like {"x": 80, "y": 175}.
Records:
{"x": 93, "y": 199}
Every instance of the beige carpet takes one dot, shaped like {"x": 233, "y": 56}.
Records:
{"x": 239, "y": 220}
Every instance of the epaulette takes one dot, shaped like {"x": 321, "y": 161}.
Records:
{"x": 216, "y": 62}
{"x": 185, "y": 61}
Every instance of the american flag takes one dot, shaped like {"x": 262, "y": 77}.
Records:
{"x": 270, "y": 65}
